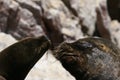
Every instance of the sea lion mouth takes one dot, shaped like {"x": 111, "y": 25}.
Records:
{"x": 67, "y": 57}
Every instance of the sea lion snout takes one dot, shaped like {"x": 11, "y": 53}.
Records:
{"x": 65, "y": 53}
{"x": 41, "y": 43}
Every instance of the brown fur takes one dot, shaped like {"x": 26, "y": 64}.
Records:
{"x": 17, "y": 60}
{"x": 90, "y": 59}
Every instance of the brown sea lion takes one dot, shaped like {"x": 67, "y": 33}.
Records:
{"x": 17, "y": 60}
{"x": 90, "y": 59}
{"x": 114, "y": 9}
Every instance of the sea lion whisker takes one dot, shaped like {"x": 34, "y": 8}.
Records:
{"x": 70, "y": 55}
{"x": 66, "y": 54}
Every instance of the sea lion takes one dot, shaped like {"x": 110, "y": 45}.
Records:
{"x": 90, "y": 59}
{"x": 114, "y": 9}
{"x": 17, "y": 60}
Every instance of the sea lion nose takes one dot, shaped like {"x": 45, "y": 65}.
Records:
{"x": 45, "y": 41}
{"x": 43, "y": 38}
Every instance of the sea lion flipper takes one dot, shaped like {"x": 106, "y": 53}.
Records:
{"x": 17, "y": 60}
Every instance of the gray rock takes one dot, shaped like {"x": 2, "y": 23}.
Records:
{"x": 40, "y": 17}
{"x": 20, "y": 21}
{"x": 7, "y": 8}
{"x": 48, "y": 68}
{"x": 85, "y": 11}
{"x": 6, "y": 40}
{"x": 103, "y": 20}
{"x": 109, "y": 29}
{"x": 59, "y": 22}
{"x": 115, "y": 32}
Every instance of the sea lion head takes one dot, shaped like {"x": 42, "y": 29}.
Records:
{"x": 19, "y": 58}
{"x": 85, "y": 58}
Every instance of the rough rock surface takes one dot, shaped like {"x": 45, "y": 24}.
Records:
{"x": 85, "y": 11}
{"x": 109, "y": 29}
{"x": 22, "y": 18}
{"x": 18, "y": 21}
{"x": 48, "y": 68}
{"x": 60, "y": 20}
{"x": 60, "y": 23}
{"x": 6, "y": 40}
{"x": 103, "y": 20}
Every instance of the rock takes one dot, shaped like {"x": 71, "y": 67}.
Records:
{"x": 115, "y": 31}
{"x": 59, "y": 22}
{"x": 85, "y": 11}
{"x": 103, "y": 20}
{"x": 6, "y": 40}
{"x": 20, "y": 21}
{"x": 36, "y": 18}
{"x": 7, "y": 10}
{"x": 48, "y": 68}
{"x": 109, "y": 29}
{"x": 27, "y": 26}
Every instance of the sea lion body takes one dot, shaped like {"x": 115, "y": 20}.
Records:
{"x": 90, "y": 59}
{"x": 19, "y": 58}
{"x": 113, "y": 7}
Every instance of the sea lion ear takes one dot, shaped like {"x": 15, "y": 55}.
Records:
{"x": 2, "y": 78}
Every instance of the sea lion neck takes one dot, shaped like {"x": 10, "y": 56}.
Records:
{"x": 17, "y": 60}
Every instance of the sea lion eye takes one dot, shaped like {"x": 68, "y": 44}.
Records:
{"x": 83, "y": 45}
{"x": 102, "y": 46}
{"x": 86, "y": 45}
